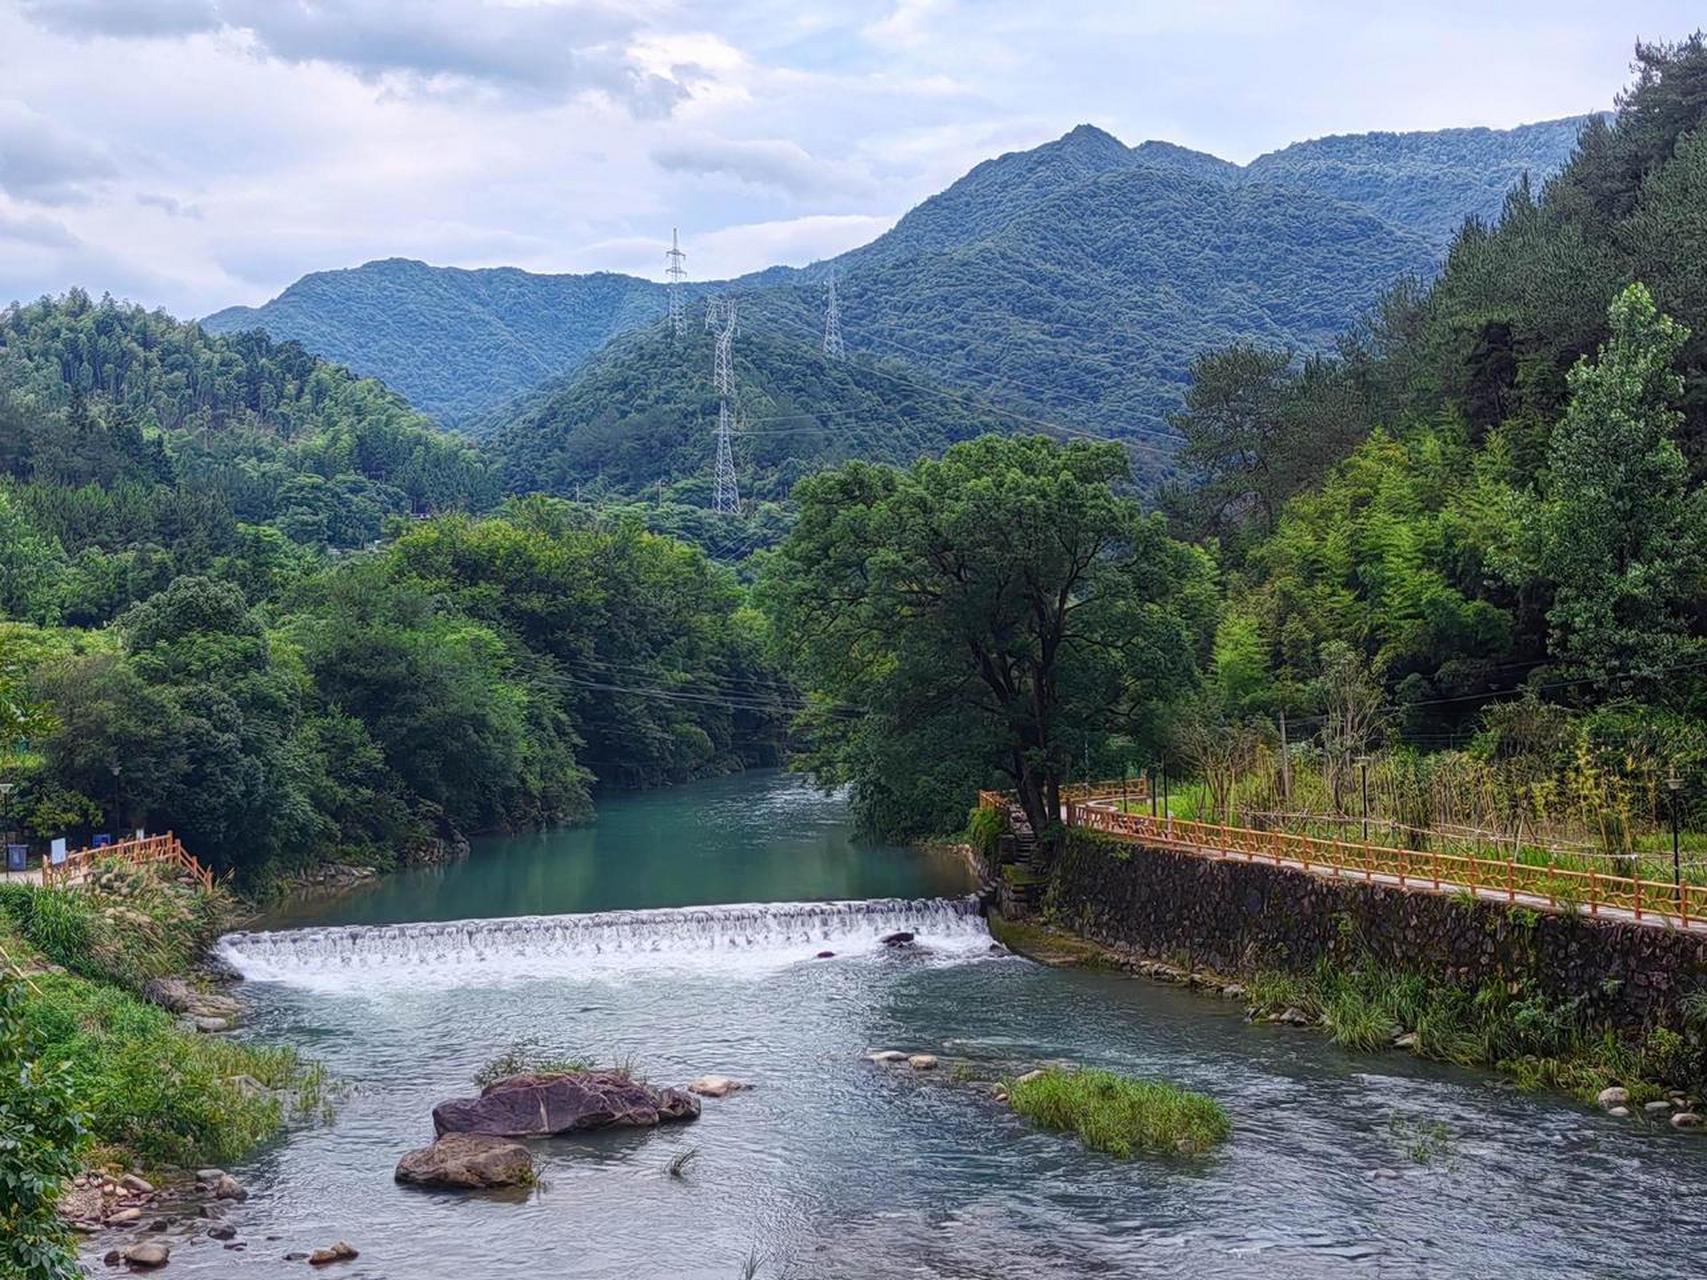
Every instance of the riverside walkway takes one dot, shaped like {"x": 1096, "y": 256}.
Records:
{"x": 1623, "y": 899}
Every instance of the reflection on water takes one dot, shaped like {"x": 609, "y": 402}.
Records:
{"x": 833, "y": 1167}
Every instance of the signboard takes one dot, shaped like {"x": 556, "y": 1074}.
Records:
{"x": 102, "y": 840}
{"x": 56, "y": 854}
{"x": 17, "y": 857}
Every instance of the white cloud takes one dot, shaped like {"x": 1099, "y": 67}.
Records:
{"x": 205, "y": 152}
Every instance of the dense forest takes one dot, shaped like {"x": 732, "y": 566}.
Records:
{"x": 232, "y": 611}
{"x": 1475, "y": 536}
{"x": 640, "y": 418}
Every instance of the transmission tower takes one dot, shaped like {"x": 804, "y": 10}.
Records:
{"x": 675, "y": 271}
{"x": 725, "y": 495}
{"x": 833, "y": 349}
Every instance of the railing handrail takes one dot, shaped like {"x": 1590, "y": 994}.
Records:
{"x": 137, "y": 851}
{"x": 1553, "y": 888}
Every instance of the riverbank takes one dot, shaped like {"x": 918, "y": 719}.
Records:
{"x": 111, "y": 998}
{"x": 1540, "y": 999}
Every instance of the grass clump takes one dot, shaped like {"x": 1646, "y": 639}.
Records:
{"x": 526, "y": 1058}
{"x": 1121, "y": 1115}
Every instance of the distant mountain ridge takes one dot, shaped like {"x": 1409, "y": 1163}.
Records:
{"x": 1208, "y": 263}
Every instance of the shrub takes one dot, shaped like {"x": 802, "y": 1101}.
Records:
{"x": 984, "y": 833}
{"x": 527, "y": 1058}
{"x": 1121, "y": 1115}
{"x": 41, "y": 1137}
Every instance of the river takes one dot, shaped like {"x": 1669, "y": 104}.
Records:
{"x": 1339, "y": 1163}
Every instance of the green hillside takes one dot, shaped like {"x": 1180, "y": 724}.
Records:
{"x": 640, "y": 418}
{"x": 454, "y": 342}
{"x": 143, "y": 448}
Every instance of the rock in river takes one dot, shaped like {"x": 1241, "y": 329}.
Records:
{"x": 538, "y": 1106}
{"x": 716, "y": 1086}
{"x": 899, "y": 938}
{"x": 148, "y": 1255}
{"x": 1613, "y": 1097}
{"x": 471, "y": 1160}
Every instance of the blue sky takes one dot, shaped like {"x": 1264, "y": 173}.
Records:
{"x": 196, "y": 153}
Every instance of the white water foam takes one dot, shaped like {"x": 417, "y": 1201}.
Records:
{"x": 754, "y": 937}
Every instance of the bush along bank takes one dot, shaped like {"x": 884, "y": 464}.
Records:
{"x": 1602, "y": 1011}
{"x": 104, "y": 1002}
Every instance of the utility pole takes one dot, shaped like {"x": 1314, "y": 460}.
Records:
{"x": 725, "y": 494}
{"x": 833, "y": 349}
{"x": 674, "y": 257}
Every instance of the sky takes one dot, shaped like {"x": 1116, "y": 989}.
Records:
{"x": 193, "y": 154}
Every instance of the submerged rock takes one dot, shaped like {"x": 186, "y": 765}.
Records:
{"x": 538, "y": 1106}
{"x": 467, "y": 1160}
{"x": 899, "y": 938}
{"x": 716, "y": 1086}
{"x": 343, "y": 1251}
{"x": 225, "y": 1187}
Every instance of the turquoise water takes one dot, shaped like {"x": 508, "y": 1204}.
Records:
{"x": 1339, "y": 1165}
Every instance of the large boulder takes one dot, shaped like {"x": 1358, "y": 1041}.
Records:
{"x": 538, "y": 1106}
{"x": 470, "y": 1160}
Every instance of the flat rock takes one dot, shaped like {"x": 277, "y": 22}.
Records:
{"x": 539, "y": 1106}
{"x": 467, "y": 1160}
{"x": 1029, "y": 1076}
{"x": 130, "y": 1182}
{"x": 922, "y": 1062}
{"x": 148, "y": 1255}
{"x": 343, "y": 1251}
{"x": 887, "y": 1055}
{"x": 123, "y": 1217}
{"x": 1618, "y": 1113}
{"x": 1657, "y": 1106}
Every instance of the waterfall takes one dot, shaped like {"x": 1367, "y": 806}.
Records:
{"x": 747, "y": 935}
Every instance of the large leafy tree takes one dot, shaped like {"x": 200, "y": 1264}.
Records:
{"x": 988, "y": 617}
{"x": 1618, "y": 532}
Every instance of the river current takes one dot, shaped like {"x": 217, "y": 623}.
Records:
{"x": 655, "y": 937}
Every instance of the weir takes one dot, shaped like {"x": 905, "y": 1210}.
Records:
{"x": 742, "y": 935}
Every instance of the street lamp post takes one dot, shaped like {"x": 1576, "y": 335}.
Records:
{"x": 118, "y": 802}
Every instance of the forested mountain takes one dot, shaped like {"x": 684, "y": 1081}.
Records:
{"x": 454, "y": 342}
{"x": 141, "y": 448}
{"x": 1425, "y": 182}
{"x": 639, "y": 418}
{"x": 1148, "y": 254}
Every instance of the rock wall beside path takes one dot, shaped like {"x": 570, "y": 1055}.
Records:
{"x": 1236, "y": 917}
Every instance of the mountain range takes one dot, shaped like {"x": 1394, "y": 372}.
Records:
{"x": 1078, "y": 277}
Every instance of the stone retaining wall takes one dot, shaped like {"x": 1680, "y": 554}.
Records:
{"x": 1236, "y": 917}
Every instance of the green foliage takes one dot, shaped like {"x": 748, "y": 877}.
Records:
{"x": 992, "y": 613}
{"x": 1121, "y": 1115}
{"x": 984, "y": 831}
{"x": 1619, "y": 534}
{"x": 42, "y": 1135}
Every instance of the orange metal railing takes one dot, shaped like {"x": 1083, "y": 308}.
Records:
{"x": 146, "y": 851}
{"x": 1656, "y": 902}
